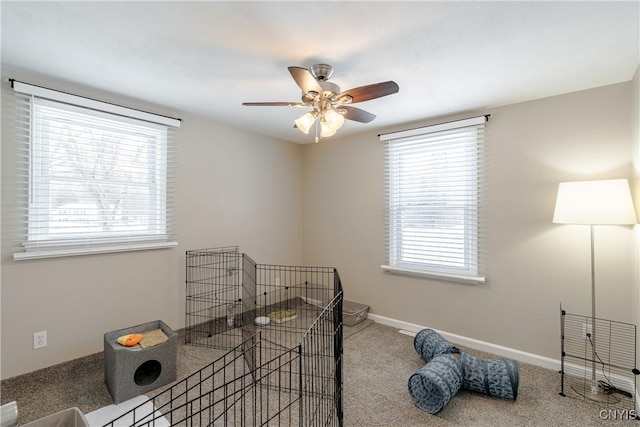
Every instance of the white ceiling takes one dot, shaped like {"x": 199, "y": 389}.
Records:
{"x": 206, "y": 58}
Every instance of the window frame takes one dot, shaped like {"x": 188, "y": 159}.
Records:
{"x": 419, "y": 139}
{"x": 157, "y": 149}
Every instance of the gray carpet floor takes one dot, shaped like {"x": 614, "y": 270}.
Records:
{"x": 378, "y": 361}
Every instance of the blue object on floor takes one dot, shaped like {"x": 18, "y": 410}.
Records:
{"x": 433, "y": 385}
{"x": 428, "y": 343}
{"x": 495, "y": 377}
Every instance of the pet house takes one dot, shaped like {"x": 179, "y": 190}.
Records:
{"x": 132, "y": 371}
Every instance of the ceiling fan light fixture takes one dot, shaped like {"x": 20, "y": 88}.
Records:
{"x": 326, "y": 130}
{"x": 327, "y": 103}
{"x": 309, "y": 97}
{"x": 334, "y": 119}
{"x": 305, "y": 122}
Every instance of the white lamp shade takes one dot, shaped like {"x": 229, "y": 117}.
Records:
{"x": 604, "y": 202}
{"x": 304, "y": 123}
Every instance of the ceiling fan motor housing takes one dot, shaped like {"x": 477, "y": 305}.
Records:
{"x": 329, "y": 88}
{"x": 321, "y": 72}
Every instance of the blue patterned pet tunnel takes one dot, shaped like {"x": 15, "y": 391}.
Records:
{"x": 433, "y": 385}
{"x": 498, "y": 378}
{"x": 428, "y": 343}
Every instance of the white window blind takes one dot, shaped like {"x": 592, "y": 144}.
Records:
{"x": 433, "y": 182}
{"x": 90, "y": 177}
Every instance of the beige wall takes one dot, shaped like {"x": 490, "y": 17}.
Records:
{"x": 233, "y": 187}
{"x": 533, "y": 264}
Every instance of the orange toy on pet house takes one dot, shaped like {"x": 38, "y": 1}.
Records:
{"x": 129, "y": 340}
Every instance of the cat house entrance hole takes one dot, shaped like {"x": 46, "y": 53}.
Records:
{"x": 147, "y": 373}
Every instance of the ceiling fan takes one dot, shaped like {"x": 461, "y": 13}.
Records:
{"x": 327, "y": 102}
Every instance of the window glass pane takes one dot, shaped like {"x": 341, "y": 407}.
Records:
{"x": 95, "y": 176}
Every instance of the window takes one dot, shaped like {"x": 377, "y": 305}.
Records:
{"x": 433, "y": 186}
{"x": 98, "y": 177}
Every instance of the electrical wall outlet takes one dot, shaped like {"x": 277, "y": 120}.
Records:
{"x": 39, "y": 339}
{"x": 586, "y": 330}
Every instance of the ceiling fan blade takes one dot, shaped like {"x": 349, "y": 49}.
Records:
{"x": 357, "y": 114}
{"x": 305, "y": 79}
{"x": 365, "y": 93}
{"x": 274, "y": 104}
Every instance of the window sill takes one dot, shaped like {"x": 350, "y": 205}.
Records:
{"x": 473, "y": 280}
{"x": 89, "y": 250}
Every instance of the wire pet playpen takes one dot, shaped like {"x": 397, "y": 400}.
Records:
{"x": 281, "y": 327}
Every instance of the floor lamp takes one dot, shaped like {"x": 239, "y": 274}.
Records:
{"x": 604, "y": 202}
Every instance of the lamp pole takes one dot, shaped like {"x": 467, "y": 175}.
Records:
{"x": 593, "y": 316}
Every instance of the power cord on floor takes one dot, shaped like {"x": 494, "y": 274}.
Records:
{"x": 606, "y": 386}
{"x": 609, "y": 389}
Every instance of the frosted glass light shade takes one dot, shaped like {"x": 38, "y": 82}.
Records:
{"x": 334, "y": 119}
{"x": 304, "y": 123}
{"x": 603, "y": 202}
{"x": 326, "y": 130}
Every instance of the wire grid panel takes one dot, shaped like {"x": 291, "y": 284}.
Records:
{"x": 321, "y": 368}
{"x": 227, "y": 291}
{"x": 213, "y": 286}
{"x": 612, "y": 366}
{"x": 226, "y": 392}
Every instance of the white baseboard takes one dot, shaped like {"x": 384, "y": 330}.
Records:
{"x": 499, "y": 350}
